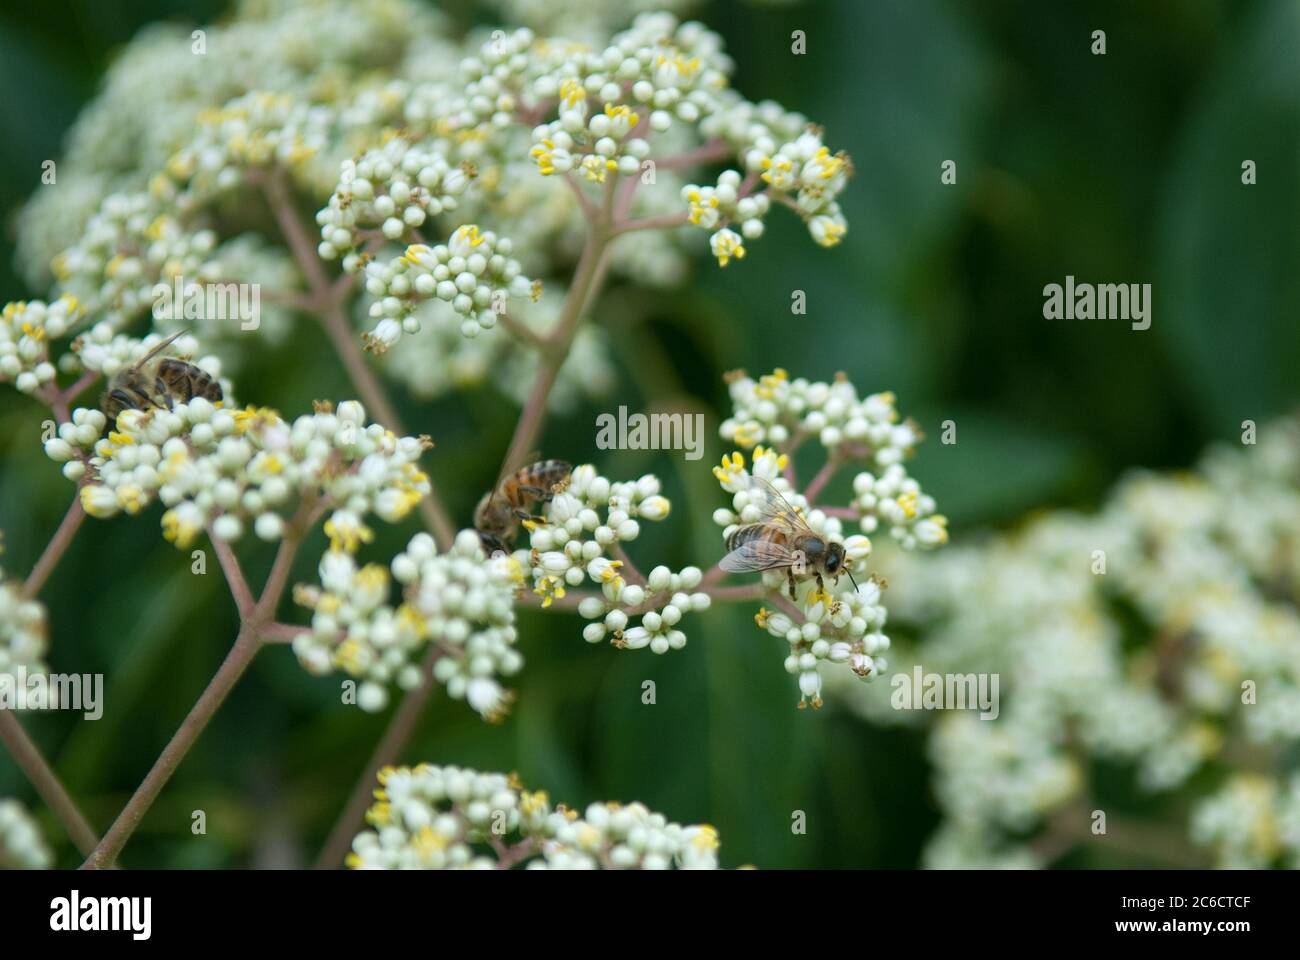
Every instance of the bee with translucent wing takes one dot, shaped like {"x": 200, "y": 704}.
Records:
{"x": 157, "y": 381}
{"x": 781, "y": 538}
{"x": 499, "y": 511}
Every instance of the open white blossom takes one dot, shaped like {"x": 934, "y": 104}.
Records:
{"x": 830, "y": 620}
{"x": 436, "y": 818}
{"x": 579, "y": 539}
{"x": 241, "y": 469}
{"x": 1159, "y": 633}
{"x": 410, "y": 131}
{"x": 22, "y": 846}
{"x": 320, "y": 52}
{"x": 460, "y": 602}
{"x": 24, "y": 638}
{"x": 1252, "y": 823}
{"x": 473, "y": 272}
{"x": 26, "y": 329}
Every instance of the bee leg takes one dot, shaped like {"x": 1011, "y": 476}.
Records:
{"x": 491, "y": 544}
{"x": 793, "y": 594}
{"x": 160, "y": 390}
{"x": 536, "y": 493}
{"x": 821, "y": 585}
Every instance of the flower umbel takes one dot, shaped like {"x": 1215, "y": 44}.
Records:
{"x": 437, "y": 818}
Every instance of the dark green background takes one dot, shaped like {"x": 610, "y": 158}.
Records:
{"x": 1122, "y": 168}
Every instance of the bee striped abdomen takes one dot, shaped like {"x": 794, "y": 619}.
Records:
{"x": 184, "y": 381}
{"x": 756, "y": 531}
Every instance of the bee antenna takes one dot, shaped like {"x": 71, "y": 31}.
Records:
{"x": 851, "y": 580}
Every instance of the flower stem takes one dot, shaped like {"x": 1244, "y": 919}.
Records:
{"x": 586, "y": 283}
{"x": 334, "y": 321}
{"x": 400, "y": 729}
{"x": 653, "y": 223}
{"x": 55, "y": 549}
{"x": 247, "y": 644}
{"x": 239, "y": 589}
{"x": 28, "y": 757}
{"x": 555, "y": 349}
{"x": 237, "y": 660}
{"x": 820, "y": 479}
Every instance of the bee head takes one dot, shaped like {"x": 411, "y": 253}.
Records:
{"x": 835, "y": 565}
{"x": 834, "y": 557}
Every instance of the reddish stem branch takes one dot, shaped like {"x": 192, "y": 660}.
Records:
{"x": 400, "y": 729}
{"x": 283, "y": 632}
{"x": 56, "y": 548}
{"x": 232, "y": 668}
{"x": 715, "y": 151}
{"x": 586, "y": 282}
{"x": 246, "y": 646}
{"x": 660, "y": 222}
{"x": 239, "y": 589}
{"x": 589, "y": 209}
{"x": 28, "y": 756}
{"x": 334, "y": 321}
{"x": 820, "y": 479}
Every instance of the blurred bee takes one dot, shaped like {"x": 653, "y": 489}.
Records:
{"x": 154, "y": 381}
{"x": 497, "y": 516}
{"x": 781, "y": 538}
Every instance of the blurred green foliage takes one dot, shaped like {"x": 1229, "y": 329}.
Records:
{"x": 1122, "y": 168}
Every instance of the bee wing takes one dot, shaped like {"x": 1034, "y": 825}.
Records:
{"x": 157, "y": 350}
{"x": 774, "y": 509}
{"x": 509, "y": 468}
{"x": 756, "y": 555}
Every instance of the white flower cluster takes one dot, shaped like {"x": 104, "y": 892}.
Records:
{"x": 134, "y": 256}
{"x": 472, "y": 271}
{"x": 840, "y": 619}
{"x": 131, "y": 244}
{"x": 393, "y": 188}
{"x": 22, "y": 847}
{"x": 436, "y": 818}
{"x": 257, "y": 131}
{"x": 234, "y": 469}
{"x": 398, "y": 121}
{"x": 672, "y": 72}
{"x": 459, "y": 601}
{"x": 1252, "y": 823}
{"x": 321, "y": 52}
{"x": 713, "y": 208}
{"x": 24, "y": 635}
{"x": 1160, "y": 633}
{"x": 841, "y": 625}
{"x": 579, "y": 540}
{"x": 26, "y": 329}
{"x": 784, "y": 151}
{"x": 588, "y": 22}
{"x": 778, "y": 411}
{"x": 439, "y": 358}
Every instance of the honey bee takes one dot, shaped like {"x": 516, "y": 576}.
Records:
{"x": 154, "y": 381}
{"x": 781, "y": 538}
{"x": 497, "y": 516}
